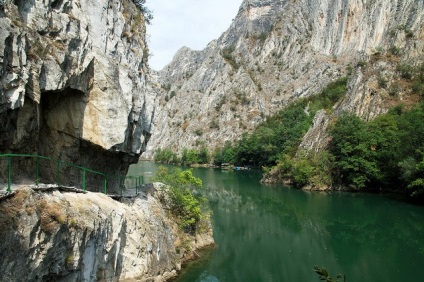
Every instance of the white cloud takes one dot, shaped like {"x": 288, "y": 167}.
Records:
{"x": 191, "y": 23}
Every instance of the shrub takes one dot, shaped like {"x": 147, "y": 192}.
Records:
{"x": 361, "y": 64}
{"x": 302, "y": 171}
{"x": 166, "y": 156}
{"x": 227, "y": 54}
{"x": 394, "y": 50}
{"x": 188, "y": 208}
{"x": 214, "y": 124}
{"x": 147, "y": 13}
{"x": 406, "y": 70}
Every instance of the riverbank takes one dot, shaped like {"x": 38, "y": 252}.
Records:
{"x": 89, "y": 236}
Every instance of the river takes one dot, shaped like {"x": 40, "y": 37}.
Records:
{"x": 274, "y": 233}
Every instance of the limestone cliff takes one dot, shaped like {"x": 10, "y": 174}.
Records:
{"x": 74, "y": 83}
{"x": 63, "y": 236}
{"x": 276, "y": 51}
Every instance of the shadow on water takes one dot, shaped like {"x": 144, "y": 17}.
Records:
{"x": 273, "y": 233}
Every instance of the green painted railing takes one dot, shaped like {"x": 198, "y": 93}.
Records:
{"x": 60, "y": 164}
{"x": 139, "y": 180}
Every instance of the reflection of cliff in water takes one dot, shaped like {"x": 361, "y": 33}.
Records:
{"x": 341, "y": 230}
{"x": 274, "y": 233}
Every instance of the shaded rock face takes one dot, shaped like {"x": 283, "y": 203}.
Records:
{"x": 74, "y": 82}
{"x": 59, "y": 236}
{"x": 274, "y": 52}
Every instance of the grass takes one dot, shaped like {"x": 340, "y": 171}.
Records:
{"x": 51, "y": 216}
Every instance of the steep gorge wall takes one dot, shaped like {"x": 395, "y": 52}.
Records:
{"x": 74, "y": 83}
{"x": 273, "y": 53}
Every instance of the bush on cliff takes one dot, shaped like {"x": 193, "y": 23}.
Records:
{"x": 148, "y": 15}
{"x": 188, "y": 208}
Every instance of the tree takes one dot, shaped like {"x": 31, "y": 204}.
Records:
{"x": 184, "y": 205}
{"x": 166, "y": 156}
{"x": 147, "y": 13}
{"x": 302, "y": 171}
{"x": 417, "y": 185}
{"x": 226, "y": 154}
{"x": 384, "y": 141}
{"x": 203, "y": 156}
{"x": 354, "y": 152}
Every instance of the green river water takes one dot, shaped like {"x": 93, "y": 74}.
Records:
{"x": 274, "y": 233}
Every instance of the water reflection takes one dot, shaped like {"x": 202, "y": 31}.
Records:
{"x": 268, "y": 233}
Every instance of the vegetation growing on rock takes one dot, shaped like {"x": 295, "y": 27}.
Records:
{"x": 189, "y": 209}
{"x": 148, "y": 15}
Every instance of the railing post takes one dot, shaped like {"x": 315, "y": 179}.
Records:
{"x": 9, "y": 174}
{"x": 36, "y": 170}
{"x": 83, "y": 180}
{"x": 136, "y": 185}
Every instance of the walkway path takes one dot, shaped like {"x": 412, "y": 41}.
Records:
{"x": 126, "y": 193}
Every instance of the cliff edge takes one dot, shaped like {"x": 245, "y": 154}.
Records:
{"x": 64, "y": 236}
{"x": 74, "y": 83}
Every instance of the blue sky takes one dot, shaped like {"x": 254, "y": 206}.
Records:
{"x": 191, "y": 23}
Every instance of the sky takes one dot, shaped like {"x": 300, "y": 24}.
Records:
{"x": 190, "y": 23}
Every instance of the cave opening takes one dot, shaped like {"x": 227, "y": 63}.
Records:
{"x": 61, "y": 128}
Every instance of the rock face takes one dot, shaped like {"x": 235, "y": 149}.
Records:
{"x": 59, "y": 236}
{"x": 74, "y": 83}
{"x": 274, "y": 52}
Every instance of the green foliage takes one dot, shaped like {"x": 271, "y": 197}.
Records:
{"x": 329, "y": 96}
{"x": 418, "y": 81}
{"x": 417, "y": 184}
{"x": 203, "y": 156}
{"x": 227, "y": 54}
{"x": 188, "y": 208}
{"x": 214, "y": 124}
{"x": 147, "y": 13}
{"x": 171, "y": 95}
{"x": 384, "y": 153}
{"x": 192, "y": 156}
{"x": 307, "y": 169}
{"x": 361, "y": 64}
{"x": 405, "y": 70}
{"x": 302, "y": 172}
{"x": 352, "y": 147}
{"x": 226, "y": 154}
{"x": 262, "y": 37}
{"x": 395, "y": 50}
{"x": 280, "y": 134}
{"x": 324, "y": 276}
{"x": 189, "y": 157}
{"x": 198, "y": 132}
{"x": 220, "y": 103}
{"x": 166, "y": 156}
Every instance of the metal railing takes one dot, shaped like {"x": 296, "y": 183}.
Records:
{"x": 129, "y": 182}
{"x": 122, "y": 180}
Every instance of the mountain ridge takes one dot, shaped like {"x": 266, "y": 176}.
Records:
{"x": 273, "y": 53}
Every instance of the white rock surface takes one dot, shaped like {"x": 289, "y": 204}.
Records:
{"x": 63, "y": 236}
{"x": 80, "y": 69}
{"x": 274, "y": 52}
